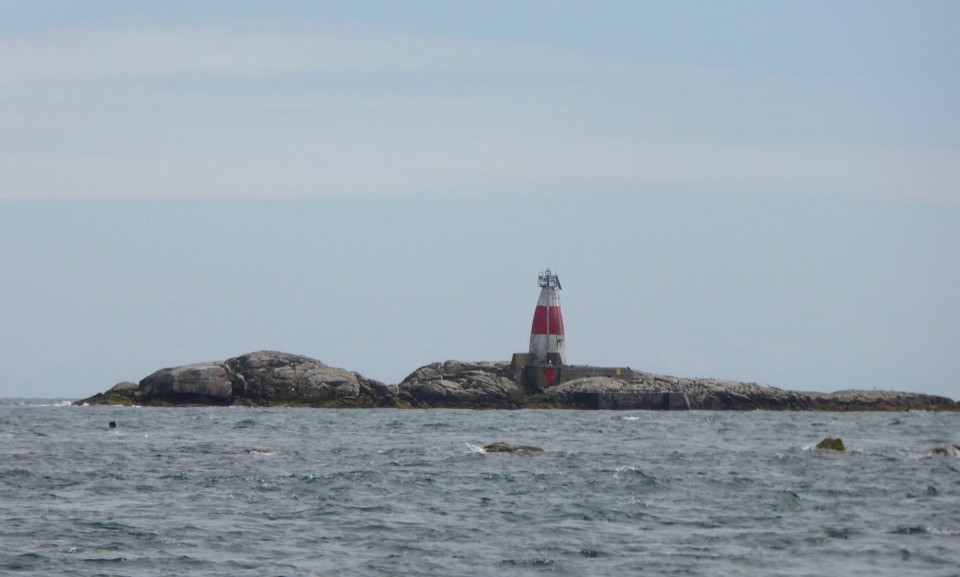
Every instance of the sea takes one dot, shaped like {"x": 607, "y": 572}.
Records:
{"x": 298, "y": 492}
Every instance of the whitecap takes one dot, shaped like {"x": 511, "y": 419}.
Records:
{"x": 628, "y": 470}
{"x": 947, "y": 451}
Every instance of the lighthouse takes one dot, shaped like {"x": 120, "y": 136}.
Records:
{"x": 546, "y": 336}
{"x": 546, "y": 365}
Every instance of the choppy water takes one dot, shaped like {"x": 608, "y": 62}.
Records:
{"x": 227, "y": 491}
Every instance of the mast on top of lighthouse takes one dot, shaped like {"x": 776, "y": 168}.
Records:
{"x": 546, "y": 336}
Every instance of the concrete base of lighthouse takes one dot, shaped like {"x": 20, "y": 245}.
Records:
{"x": 537, "y": 376}
{"x": 541, "y": 376}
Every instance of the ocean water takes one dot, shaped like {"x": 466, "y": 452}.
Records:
{"x": 269, "y": 492}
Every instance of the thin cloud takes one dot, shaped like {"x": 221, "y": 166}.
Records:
{"x": 326, "y": 111}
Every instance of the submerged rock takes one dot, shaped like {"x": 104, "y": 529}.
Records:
{"x": 501, "y": 447}
{"x": 831, "y": 445}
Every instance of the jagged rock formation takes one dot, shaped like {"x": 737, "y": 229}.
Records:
{"x": 269, "y": 378}
{"x": 264, "y": 378}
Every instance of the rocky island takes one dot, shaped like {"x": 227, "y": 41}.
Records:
{"x": 276, "y": 379}
{"x": 537, "y": 379}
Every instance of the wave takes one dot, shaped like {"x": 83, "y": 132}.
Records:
{"x": 248, "y": 452}
{"x": 946, "y": 451}
{"x": 36, "y": 403}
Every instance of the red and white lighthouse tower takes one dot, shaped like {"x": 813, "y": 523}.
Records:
{"x": 546, "y": 337}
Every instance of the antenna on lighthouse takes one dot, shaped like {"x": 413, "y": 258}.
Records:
{"x": 549, "y": 280}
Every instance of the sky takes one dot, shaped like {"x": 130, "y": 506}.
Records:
{"x": 758, "y": 191}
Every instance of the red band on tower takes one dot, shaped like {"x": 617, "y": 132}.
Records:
{"x": 540, "y": 325}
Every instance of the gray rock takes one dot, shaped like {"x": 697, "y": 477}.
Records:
{"x": 873, "y": 400}
{"x": 124, "y": 387}
{"x": 282, "y": 376}
{"x": 457, "y": 384}
{"x": 649, "y": 388}
{"x": 264, "y": 378}
{"x": 492, "y": 385}
{"x": 198, "y": 383}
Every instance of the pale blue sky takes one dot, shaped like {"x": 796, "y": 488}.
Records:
{"x": 761, "y": 191}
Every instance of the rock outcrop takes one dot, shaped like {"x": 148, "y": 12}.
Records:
{"x": 494, "y": 385}
{"x": 269, "y": 378}
{"x": 204, "y": 383}
{"x": 638, "y": 389}
{"x": 855, "y": 400}
{"x": 454, "y": 384}
{"x": 264, "y": 378}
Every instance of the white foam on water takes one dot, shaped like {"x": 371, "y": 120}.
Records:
{"x": 629, "y": 470}
{"x": 931, "y": 453}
